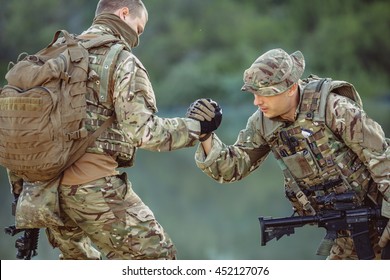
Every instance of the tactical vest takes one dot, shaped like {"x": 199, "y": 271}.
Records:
{"x": 102, "y": 62}
{"x": 314, "y": 160}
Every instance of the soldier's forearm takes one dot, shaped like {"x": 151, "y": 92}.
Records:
{"x": 207, "y": 145}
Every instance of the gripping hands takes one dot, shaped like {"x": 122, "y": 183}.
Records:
{"x": 208, "y": 113}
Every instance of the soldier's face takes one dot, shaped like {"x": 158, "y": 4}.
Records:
{"x": 282, "y": 105}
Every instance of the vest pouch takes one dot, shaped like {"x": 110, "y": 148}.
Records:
{"x": 38, "y": 205}
{"x": 301, "y": 164}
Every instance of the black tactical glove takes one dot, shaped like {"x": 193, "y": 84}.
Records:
{"x": 208, "y": 113}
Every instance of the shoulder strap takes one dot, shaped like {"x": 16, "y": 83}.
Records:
{"x": 315, "y": 94}
{"x": 312, "y": 94}
{"x": 83, "y": 145}
{"x": 94, "y": 41}
{"x": 108, "y": 69}
{"x": 68, "y": 38}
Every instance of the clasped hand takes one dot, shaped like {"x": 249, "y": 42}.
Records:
{"x": 208, "y": 113}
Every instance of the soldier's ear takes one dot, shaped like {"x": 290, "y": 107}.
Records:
{"x": 293, "y": 89}
{"x": 125, "y": 11}
{"x": 122, "y": 13}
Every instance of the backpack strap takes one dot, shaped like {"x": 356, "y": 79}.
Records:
{"x": 94, "y": 41}
{"x": 83, "y": 145}
{"x": 315, "y": 94}
{"x": 68, "y": 38}
{"x": 108, "y": 69}
{"x": 312, "y": 95}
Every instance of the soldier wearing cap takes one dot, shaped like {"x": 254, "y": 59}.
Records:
{"x": 320, "y": 135}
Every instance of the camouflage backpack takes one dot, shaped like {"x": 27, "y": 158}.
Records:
{"x": 43, "y": 107}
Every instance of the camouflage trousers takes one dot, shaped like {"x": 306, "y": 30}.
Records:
{"x": 108, "y": 214}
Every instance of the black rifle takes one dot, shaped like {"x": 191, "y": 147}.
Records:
{"x": 356, "y": 220}
{"x": 27, "y": 244}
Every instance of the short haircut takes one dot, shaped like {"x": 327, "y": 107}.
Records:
{"x": 110, "y": 6}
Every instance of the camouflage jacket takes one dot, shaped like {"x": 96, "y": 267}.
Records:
{"x": 345, "y": 145}
{"x": 131, "y": 97}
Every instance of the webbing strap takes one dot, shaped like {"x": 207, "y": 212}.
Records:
{"x": 25, "y": 126}
{"x": 24, "y": 139}
{"x": 68, "y": 38}
{"x": 23, "y": 151}
{"x": 83, "y": 145}
{"x": 21, "y": 114}
{"x": 302, "y": 198}
{"x": 311, "y": 98}
{"x": 107, "y": 70}
{"x": 293, "y": 185}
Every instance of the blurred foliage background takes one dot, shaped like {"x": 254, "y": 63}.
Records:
{"x": 201, "y": 48}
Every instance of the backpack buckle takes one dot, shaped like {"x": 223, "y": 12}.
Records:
{"x": 81, "y": 133}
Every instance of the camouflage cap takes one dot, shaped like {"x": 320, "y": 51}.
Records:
{"x": 274, "y": 72}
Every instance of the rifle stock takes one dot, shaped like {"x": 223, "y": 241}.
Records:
{"x": 276, "y": 228}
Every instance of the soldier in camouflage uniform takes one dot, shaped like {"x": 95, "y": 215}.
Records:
{"x": 319, "y": 134}
{"x": 99, "y": 206}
